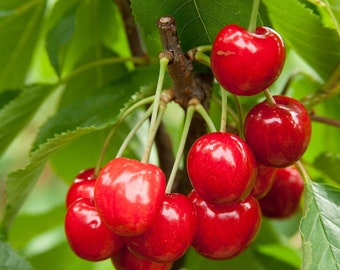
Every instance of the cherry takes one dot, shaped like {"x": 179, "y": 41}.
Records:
{"x": 279, "y": 133}
{"x": 221, "y": 167}
{"x": 171, "y": 234}
{"x": 87, "y": 235}
{"x": 264, "y": 181}
{"x": 82, "y": 187}
{"x": 282, "y": 200}
{"x": 225, "y": 230}
{"x": 125, "y": 260}
{"x": 129, "y": 195}
{"x": 247, "y": 63}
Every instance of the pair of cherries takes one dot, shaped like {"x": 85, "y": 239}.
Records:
{"x": 124, "y": 214}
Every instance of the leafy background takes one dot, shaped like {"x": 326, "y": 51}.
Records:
{"x": 64, "y": 83}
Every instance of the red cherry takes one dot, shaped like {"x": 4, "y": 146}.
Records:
{"x": 282, "y": 200}
{"x": 129, "y": 195}
{"x": 125, "y": 260}
{"x": 279, "y": 133}
{"x": 171, "y": 234}
{"x": 82, "y": 187}
{"x": 264, "y": 181}
{"x": 225, "y": 230}
{"x": 221, "y": 167}
{"x": 87, "y": 235}
{"x": 247, "y": 63}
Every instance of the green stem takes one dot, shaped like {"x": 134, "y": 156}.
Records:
{"x": 131, "y": 109}
{"x": 303, "y": 172}
{"x": 269, "y": 96}
{"x": 133, "y": 132}
{"x": 202, "y": 58}
{"x": 185, "y": 131}
{"x": 240, "y": 115}
{"x": 204, "y": 48}
{"x": 224, "y": 110}
{"x": 202, "y": 111}
{"x": 253, "y": 16}
{"x": 152, "y": 131}
{"x": 101, "y": 62}
{"x": 230, "y": 111}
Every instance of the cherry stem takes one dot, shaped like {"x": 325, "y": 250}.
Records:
{"x": 240, "y": 115}
{"x": 202, "y": 58}
{"x": 133, "y": 131}
{"x": 131, "y": 109}
{"x": 253, "y": 16}
{"x": 202, "y": 111}
{"x": 224, "y": 110}
{"x": 188, "y": 118}
{"x": 269, "y": 96}
{"x": 230, "y": 111}
{"x": 303, "y": 172}
{"x": 152, "y": 130}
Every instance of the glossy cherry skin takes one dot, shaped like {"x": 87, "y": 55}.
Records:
{"x": 278, "y": 134}
{"x": 225, "y": 230}
{"x": 247, "y": 63}
{"x": 171, "y": 234}
{"x": 129, "y": 195}
{"x": 87, "y": 235}
{"x": 221, "y": 167}
{"x": 82, "y": 187}
{"x": 283, "y": 199}
{"x": 264, "y": 181}
{"x": 125, "y": 260}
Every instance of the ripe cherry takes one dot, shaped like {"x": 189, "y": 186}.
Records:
{"x": 129, "y": 195}
{"x": 225, "y": 230}
{"x": 171, "y": 234}
{"x": 282, "y": 200}
{"x": 264, "y": 181}
{"x": 82, "y": 187}
{"x": 125, "y": 260}
{"x": 279, "y": 133}
{"x": 247, "y": 63}
{"x": 221, "y": 167}
{"x": 87, "y": 235}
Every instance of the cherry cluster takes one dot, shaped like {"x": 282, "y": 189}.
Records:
{"x": 125, "y": 213}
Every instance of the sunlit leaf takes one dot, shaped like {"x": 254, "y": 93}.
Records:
{"x": 303, "y": 31}
{"x": 16, "y": 114}
{"x": 19, "y": 32}
{"x": 320, "y": 227}
{"x": 332, "y": 7}
{"x": 197, "y": 21}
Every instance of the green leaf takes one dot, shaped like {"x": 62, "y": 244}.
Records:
{"x": 328, "y": 164}
{"x": 89, "y": 75}
{"x": 10, "y": 259}
{"x": 97, "y": 26}
{"x": 281, "y": 253}
{"x": 303, "y": 31}
{"x": 197, "y": 21}
{"x": 17, "y": 113}
{"x": 61, "y": 26}
{"x": 19, "y": 32}
{"x": 320, "y": 227}
{"x": 7, "y": 96}
{"x": 332, "y": 7}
